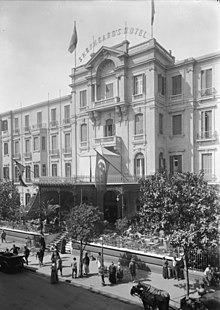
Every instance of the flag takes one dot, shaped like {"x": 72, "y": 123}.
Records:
{"x": 152, "y": 12}
{"x": 101, "y": 172}
{"x": 21, "y": 169}
{"x": 73, "y": 41}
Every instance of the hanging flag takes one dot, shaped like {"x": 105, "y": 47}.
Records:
{"x": 21, "y": 169}
{"x": 152, "y": 12}
{"x": 73, "y": 41}
{"x": 101, "y": 172}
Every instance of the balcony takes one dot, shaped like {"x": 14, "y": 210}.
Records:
{"x": 54, "y": 124}
{"x": 27, "y": 129}
{"x": 207, "y": 136}
{"x": 39, "y": 126}
{"x": 67, "y": 151}
{"x": 17, "y": 156}
{"x": 104, "y": 104}
{"x": 54, "y": 152}
{"x": 16, "y": 131}
{"x": 207, "y": 93}
{"x": 83, "y": 145}
{"x": 27, "y": 155}
{"x": 139, "y": 138}
{"x": 110, "y": 141}
{"x": 66, "y": 122}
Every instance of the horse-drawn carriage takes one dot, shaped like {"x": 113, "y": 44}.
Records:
{"x": 154, "y": 298}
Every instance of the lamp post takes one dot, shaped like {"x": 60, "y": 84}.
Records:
{"x": 101, "y": 238}
{"x": 122, "y": 203}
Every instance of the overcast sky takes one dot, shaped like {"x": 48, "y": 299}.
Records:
{"x": 34, "y": 38}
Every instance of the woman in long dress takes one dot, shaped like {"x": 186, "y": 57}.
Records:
{"x": 54, "y": 274}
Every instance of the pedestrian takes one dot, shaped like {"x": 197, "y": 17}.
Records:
{"x": 3, "y": 236}
{"x": 60, "y": 266}
{"x": 132, "y": 269}
{"x": 54, "y": 274}
{"x": 119, "y": 272}
{"x": 112, "y": 273}
{"x": 99, "y": 260}
{"x": 74, "y": 268}
{"x": 102, "y": 273}
{"x": 165, "y": 268}
{"x": 55, "y": 253}
{"x": 26, "y": 253}
{"x": 208, "y": 275}
{"x": 86, "y": 262}
{"x": 40, "y": 256}
{"x": 174, "y": 268}
{"x": 15, "y": 249}
{"x": 42, "y": 242}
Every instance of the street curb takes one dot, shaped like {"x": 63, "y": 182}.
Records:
{"x": 90, "y": 288}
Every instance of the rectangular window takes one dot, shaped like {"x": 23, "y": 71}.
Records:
{"x": 207, "y": 166}
{"x": 36, "y": 171}
{"x": 176, "y": 85}
{"x": 206, "y": 82}
{"x": 16, "y": 177}
{"x": 27, "y": 146}
{"x": 177, "y": 124}
{"x": 83, "y": 98}
{"x": 5, "y": 148}
{"x": 26, "y": 123}
{"x": 83, "y": 133}
{"x": 39, "y": 119}
{"x": 93, "y": 93}
{"x": 4, "y": 125}
{"x": 161, "y": 84}
{"x": 16, "y": 123}
{"x": 53, "y": 115}
{"x": 44, "y": 170}
{"x": 28, "y": 174}
{"x": 109, "y": 90}
{"x": 160, "y": 123}
{"x": 138, "y": 124}
{"x": 16, "y": 150}
{"x": 67, "y": 114}
{"x": 54, "y": 170}
{"x": 6, "y": 173}
{"x": 67, "y": 141}
{"x": 43, "y": 143}
{"x": 206, "y": 124}
{"x": 54, "y": 142}
{"x": 138, "y": 84}
{"x": 36, "y": 143}
{"x": 68, "y": 169}
{"x": 175, "y": 164}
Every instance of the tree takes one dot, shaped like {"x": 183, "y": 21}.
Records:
{"x": 185, "y": 207}
{"x": 9, "y": 201}
{"x": 84, "y": 225}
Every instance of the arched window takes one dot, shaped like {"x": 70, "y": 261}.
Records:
{"x": 138, "y": 124}
{"x": 109, "y": 128}
{"x": 84, "y": 133}
{"x": 139, "y": 165}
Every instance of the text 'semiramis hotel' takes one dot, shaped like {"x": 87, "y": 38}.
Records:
{"x": 131, "y": 111}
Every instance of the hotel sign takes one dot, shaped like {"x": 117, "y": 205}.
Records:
{"x": 114, "y": 33}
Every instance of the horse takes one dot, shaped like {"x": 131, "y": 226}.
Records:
{"x": 151, "y": 297}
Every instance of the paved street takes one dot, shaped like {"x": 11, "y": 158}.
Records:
{"x": 27, "y": 290}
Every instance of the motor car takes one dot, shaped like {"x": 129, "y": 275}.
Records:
{"x": 10, "y": 263}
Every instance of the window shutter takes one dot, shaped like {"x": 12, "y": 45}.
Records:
{"x": 209, "y": 81}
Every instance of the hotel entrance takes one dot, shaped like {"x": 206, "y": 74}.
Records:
{"x": 110, "y": 207}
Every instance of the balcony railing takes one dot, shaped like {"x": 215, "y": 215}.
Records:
{"x": 54, "y": 152}
{"x": 110, "y": 141}
{"x": 207, "y": 135}
{"x": 54, "y": 124}
{"x": 16, "y": 131}
{"x": 39, "y": 126}
{"x": 107, "y": 101}
{"x": 27, "y": 155}
{"x": 67, "y": 150}
{"x": 27, "y": 129}
{"x": 17, "y": 156}
{"x": 207, "y": 92}
{"x": 66, "y": 121}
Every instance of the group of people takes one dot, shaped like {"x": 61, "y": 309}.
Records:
{"x": 211, "y": 276}
{"x": 175, "y": 270}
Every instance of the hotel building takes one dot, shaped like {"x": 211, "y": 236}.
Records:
{"x": 138, "y": 107}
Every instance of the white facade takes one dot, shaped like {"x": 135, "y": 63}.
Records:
{"x": 136, "y": 102}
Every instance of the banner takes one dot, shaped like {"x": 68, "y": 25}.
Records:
{"x": 21, "y": 169}
{"x": 101, "y": 172}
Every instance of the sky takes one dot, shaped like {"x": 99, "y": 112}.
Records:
{"x": 34, "y": 38}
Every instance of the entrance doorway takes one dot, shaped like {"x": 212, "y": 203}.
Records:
{"x": 110, "y": 207}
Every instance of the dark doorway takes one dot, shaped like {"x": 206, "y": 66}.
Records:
{"x": 110, "y": 207}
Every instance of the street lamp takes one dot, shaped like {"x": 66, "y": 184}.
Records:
{"x": 122, "y": 203}
{"x": 101, "y": 238}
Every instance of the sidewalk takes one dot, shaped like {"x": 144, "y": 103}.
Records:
{"x": 120, "y": 291}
